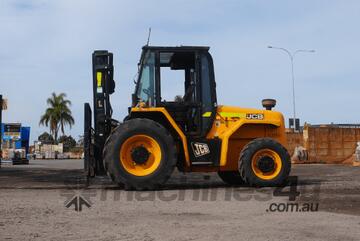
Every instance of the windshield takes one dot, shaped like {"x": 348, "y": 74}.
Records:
{"x": 146, "y": 83}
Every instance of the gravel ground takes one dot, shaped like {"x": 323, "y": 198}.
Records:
{"x": 33, "y": 201}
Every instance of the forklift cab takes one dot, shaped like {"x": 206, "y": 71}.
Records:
{"x": 193, "y": 107}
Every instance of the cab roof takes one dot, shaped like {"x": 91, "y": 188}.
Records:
{"x": 176, "y": 48}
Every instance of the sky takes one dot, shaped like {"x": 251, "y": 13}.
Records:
{"x": 46, "y": 46}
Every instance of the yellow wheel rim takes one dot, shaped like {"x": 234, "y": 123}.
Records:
{"x": 152, "y": 162}
{"x": 269, "y": 154}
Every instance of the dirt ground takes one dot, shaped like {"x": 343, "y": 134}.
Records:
{"x": 33, "y": 202}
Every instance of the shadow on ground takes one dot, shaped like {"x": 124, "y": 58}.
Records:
{"x": 338, "y": 186}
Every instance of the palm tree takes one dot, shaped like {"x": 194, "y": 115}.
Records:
{"x": 57, "y": 115}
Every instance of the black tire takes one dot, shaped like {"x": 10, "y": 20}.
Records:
{"x": 129, "y": 128}
{"x": 245, "y": 163}
{"x": 232, "y": 178}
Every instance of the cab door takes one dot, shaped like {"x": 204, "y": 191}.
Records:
{"x": 207, "y": 93}
{"x": 205, "y": 151}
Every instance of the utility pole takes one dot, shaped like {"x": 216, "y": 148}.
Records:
{"x": 292, "y": 56}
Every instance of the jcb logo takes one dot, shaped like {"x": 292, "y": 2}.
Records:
{"x": 254, "y": 116}
{"x": 200, "y": 149}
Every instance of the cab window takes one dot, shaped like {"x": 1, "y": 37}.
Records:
{"x": 175, "y": 68}
{"x": 146, "y": 83}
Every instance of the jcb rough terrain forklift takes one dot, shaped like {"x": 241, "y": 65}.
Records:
{"x": 190, "y": 132}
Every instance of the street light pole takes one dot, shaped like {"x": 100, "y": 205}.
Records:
{"x": 292, "y": 56}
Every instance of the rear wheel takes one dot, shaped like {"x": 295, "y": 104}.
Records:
{"x": 264, "y": 162}
{"x": 141, "y": 154}
{"x": 231, "y": 177}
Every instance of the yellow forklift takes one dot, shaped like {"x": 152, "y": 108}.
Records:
{"x": 190, "y": 132}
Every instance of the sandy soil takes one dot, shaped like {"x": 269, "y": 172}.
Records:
{"x": 190, "y": 207}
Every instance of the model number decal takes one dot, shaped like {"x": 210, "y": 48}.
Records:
{"x": 254, "y": 116}
{"x": 200, "y": 149}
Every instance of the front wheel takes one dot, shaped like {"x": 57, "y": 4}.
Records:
{"x": 264, "y": 162}
{"x": 140, "y": 154}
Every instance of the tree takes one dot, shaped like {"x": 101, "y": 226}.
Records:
{"x": 80, "y": 141}
{"x": 68, "y": 142}
{"x": 46, "y": 138}
{"x": 57, "y": 115}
